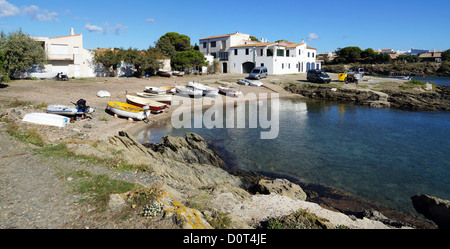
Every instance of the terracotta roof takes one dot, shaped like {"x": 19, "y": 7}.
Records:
{"x": 261, "y": 44}
{"x": 217, "y": 36}
{"x": 311, "y": 48}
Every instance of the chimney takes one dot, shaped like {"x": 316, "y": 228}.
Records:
{"x": 303, "y": 40}
{"x": 262, "y": 39}
{"x": 71, "y": 31}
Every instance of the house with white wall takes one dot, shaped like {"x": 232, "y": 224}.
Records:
{"x": 237, "y": 53}
{"x": 66, "y": 54}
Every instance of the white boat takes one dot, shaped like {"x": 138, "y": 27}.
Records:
{"x": 206, "y": 89}
{"x": 163, "y": 98}
{"x": 156, "y": 90}
{"x": 178, "y": 73}
{"x": 103, "y": 94}
{"x": 68, "y": 111}
{"x": 192, "y": 92}
{"x": 46, "y": 119}
{"x": 250, "y": 82}
{"x": 128, "y": 110}
{"x": 229, "y": 91}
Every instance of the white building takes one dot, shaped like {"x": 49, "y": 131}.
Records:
{"x": 236, "y": 53}
{"x": 66, "y": 54}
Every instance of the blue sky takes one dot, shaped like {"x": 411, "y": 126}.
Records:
{"x": 325, "y": 25}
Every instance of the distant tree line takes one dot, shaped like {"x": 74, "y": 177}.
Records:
{"x": 354, "y": 54}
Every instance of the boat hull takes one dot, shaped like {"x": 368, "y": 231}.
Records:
{"x": 189, "y": 91}
{"x": 163, "y": 98}
{"x": 127, "y": 110}
{"x": 141, "y": 102}
{"x": 229, "y": 91}
{"x": 46, "y": 119}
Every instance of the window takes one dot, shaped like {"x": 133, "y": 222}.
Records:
{"x": 262, "y": 64}
{"x": 204, "y": 45}
{"x": 235, "y": 52}
{"x": 246, "y": 51}
{"x": 262, "y": 52}
{"x": 289, "y": 65}
{"x": 282, "y": 65}
{"x": 280, "y": 52}
{"x": 213, "y": 44}
{"x": 299, "y": 52}
{"x": 308, "y": 54}
{"x": 287, "y": 53}
{"x": 269, "y": 52}
{"x": 214, "y": 55}
{"x": 313, "y": 55}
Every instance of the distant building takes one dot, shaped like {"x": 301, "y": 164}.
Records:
{"x": 415, "y": 51}
{"x": 385, "y": 51}
{"x": 237, "y": 53}
{"x": 432, "y": 57}
{"x": 66, "y": 54}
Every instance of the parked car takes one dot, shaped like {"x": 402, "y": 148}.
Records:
{"x": 318, "y": 76}
{"x": 258, "y": 73}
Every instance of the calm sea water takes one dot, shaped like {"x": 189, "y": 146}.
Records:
{"x": 381, "y": 154}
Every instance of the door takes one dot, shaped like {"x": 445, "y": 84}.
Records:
{"x": 224, "y": 67}
{"x": 247, "y": 67}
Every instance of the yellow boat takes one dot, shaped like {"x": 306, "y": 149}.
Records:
{"x": 128, "y": 110}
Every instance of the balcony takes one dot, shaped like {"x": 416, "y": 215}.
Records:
{"x": 60, "y": 57}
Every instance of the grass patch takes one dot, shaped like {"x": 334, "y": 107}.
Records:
{"x": 98, "y": 188}
{"x": 301, "y": 219}
{"x": 27, "y": 136}
{"x": 18, "y": 103}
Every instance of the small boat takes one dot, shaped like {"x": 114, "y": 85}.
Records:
{"x": 250, "y": 82}
{"x": 164, "y": 73}
{"x": 141, "y": 102}
{"x": 155, "y": 90}
{"x": 168, "y": 89}
{"x": 68, "y": 111}
{"x": 178, "y": 73}
{"x": 103, "y": 94}
{"x": 229, "y": 91}
{"x": 163, "y": 98}
{"x": 46, "y": 119}
{"x": 128, "y": 110}
{"x": 192, "y": 92}
{"x": 206, "y": 89}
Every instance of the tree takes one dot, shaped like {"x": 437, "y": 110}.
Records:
{"x": 172, "y": 42}
{"x": 446, "y": 55}
{"x": 252, "y": 38}
{"x": 348, "y": 54}
{"x": 368, "y": 55}
{"x": 110, "y": 60}
{"x": 20, "y": 52}
{"x": 188, "y": 59}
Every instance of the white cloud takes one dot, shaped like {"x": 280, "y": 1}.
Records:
{"x": 150, "y": 20}
{"x": 92, "y": 28}
{"x": 312, "y": 37}
{"x": 7, "y": 9}
{"x": 107, "y": 29}
{"x": 33, "y": 11}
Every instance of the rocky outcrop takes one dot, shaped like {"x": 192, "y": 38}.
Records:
{"x": 439, "y": 99}
{"x": 433, "y": 208}
{"x": 281, "y": 187}
{"x": 192, "y": 149}
{"x": 424, "y": 101}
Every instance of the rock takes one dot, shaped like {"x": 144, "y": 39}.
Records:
{"x": 377, "y": 216}
{"x": 192, "y": 149}
{"x": 433, "y": 208}
{"x": 282, "y": 187}
{"x": 116, "y": 202}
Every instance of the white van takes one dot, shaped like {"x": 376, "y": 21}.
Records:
{"x": 258, "y": 73}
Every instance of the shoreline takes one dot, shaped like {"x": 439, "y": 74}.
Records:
{"x": 82, "y": 131}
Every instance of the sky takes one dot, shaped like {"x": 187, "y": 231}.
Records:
{"x": 326, "y": 25}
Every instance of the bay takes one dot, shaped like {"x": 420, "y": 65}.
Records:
{"x": 380, "y": 154}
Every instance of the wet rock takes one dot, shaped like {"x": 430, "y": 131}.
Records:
{"x": 433, "y": 208}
